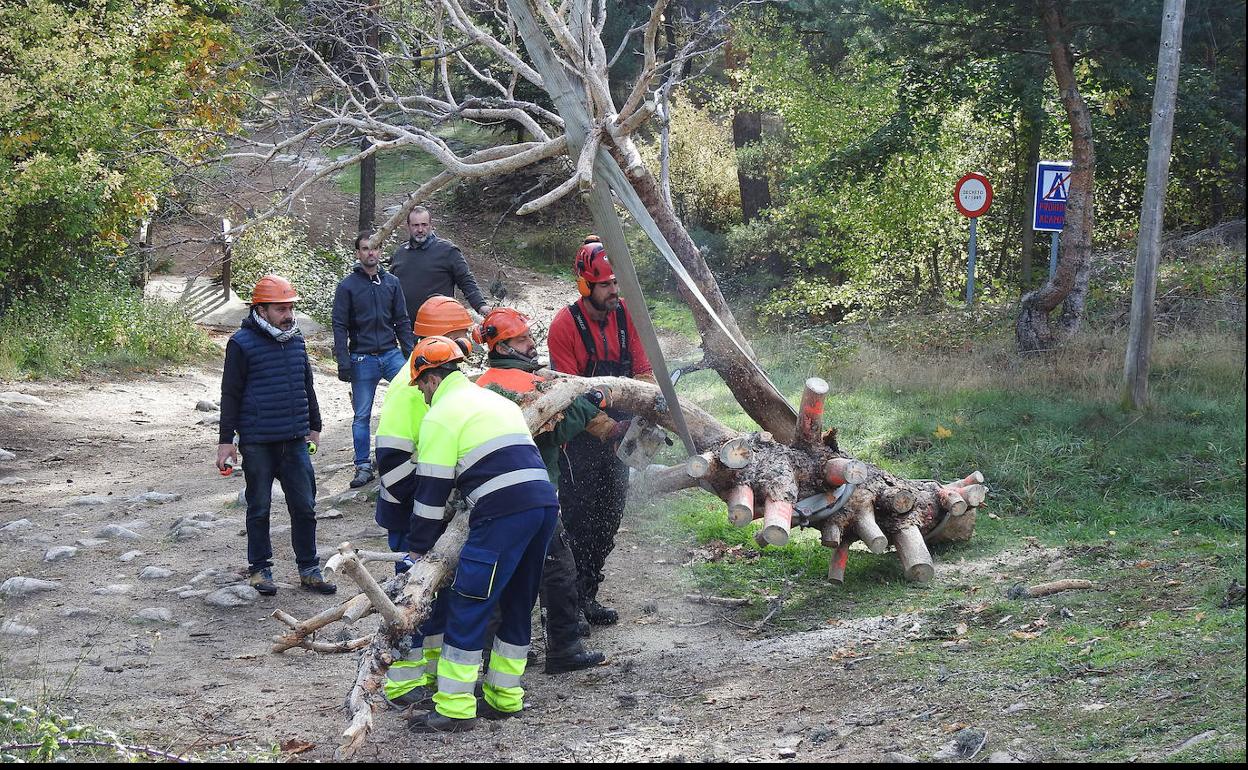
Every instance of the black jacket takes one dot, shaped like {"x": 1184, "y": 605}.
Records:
{"x": 434, "y": 267}
{"x": 370, "y": 316}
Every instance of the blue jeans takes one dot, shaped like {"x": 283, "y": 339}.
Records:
{"x": 289, "y": 463}
{"x": 367, "y": 369}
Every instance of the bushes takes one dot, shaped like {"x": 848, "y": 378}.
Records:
{"x": 100, "y": 322}
{"x": 279, "y": 246}
{"x": 703, "y": 167}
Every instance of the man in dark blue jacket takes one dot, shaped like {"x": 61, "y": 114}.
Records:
{"x": 268, "y": 400}
{"x": 371, "y": 325}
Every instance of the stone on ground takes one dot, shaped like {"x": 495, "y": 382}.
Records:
{"x": 24, "y": 586}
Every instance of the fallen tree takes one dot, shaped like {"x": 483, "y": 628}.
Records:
{"x": 809, "y": 482}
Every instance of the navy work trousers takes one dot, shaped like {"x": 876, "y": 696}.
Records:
{"x": 500, "y": 564}
{"x": 289, "y": 463}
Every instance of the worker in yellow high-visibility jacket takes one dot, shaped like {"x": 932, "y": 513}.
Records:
{"x": 477, "y": 442}
{"x": 398, "y": 431}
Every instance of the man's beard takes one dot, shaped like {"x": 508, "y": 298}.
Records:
{"x": 603, "y": 307}
{"x": 421, "y": 238}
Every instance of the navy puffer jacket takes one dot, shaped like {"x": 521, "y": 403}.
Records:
{"x": 266, "y": 389}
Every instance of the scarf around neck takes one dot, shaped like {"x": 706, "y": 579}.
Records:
{"x": 274, "y": 332}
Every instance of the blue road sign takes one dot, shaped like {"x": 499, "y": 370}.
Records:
{"x": 1052, "y": 189}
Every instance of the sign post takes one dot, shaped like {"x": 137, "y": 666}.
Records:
{"x": 973, "y": 197}
{"x": 1049, "y": 211}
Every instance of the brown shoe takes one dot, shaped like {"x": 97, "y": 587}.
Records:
{"x": 315, "y": 581}
{"x": 262, "y": 581}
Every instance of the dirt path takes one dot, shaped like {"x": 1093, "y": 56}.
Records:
{"x": 680, "y": 682}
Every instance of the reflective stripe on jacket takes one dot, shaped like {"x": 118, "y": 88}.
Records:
{"x": 398, "y": 433}
{"x": 477, "y": 442}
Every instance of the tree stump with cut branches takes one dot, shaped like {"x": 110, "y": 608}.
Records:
{"x": 809, "y": 483}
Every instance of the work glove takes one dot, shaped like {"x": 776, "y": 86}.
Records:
{"x": 599, "y": 397}
{"x": 660, "y": 404}
{"x": 344, "y": 375}
{"x": 405, "y": 564}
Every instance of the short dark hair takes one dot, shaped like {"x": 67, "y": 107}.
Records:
{"x": 441, "y": 371}
{"x": 363, "y": 236}
{"x": 418, "y": 210}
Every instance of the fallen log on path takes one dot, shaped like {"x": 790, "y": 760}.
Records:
{"x": 808, "y": 483}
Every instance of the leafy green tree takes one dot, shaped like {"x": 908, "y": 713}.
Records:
{"x": 94, "y": 97}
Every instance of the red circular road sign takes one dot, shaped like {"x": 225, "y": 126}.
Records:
{"x": 973, "y": 195}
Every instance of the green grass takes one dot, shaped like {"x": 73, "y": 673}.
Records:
{"x": 403, "y": 170}
{"x": 1150, "y": 506}
{"x": 96, "y": 323}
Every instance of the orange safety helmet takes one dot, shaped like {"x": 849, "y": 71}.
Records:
{"x": 432, "y": 352}
{"x": 592, "y": 265}
{"x": 273, "y": 288}
{"x": 440, "y": 315}
{"x": 501, "y": 323}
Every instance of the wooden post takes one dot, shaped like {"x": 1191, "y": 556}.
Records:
{"x": 869, "y": 532}
{"x": 974, "y": 478}
{"x": 735, "y": 453}
{"x": 1148, "y": 243}
{"x": 740, "y": 505}
{"x": 227, "y": 259}
{"x": 777, "y": 520}
{"x": 830, "y": 536}
{"x": 974, "y": 495}
{"x": 810, "y": 413}
{"x": 836, "y": 567}
{"x": 840, "y": 470}
{"x": 916, "y": 560}
{"x": 699, "y": 466}
{"x": 951, "y": 500}
{"x": 896, "y": 499}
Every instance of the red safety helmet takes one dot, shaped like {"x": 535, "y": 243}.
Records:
{"x": 592, "y": 265}
{"x": 501, "y": 323}
{"x": 432, "y": 352}
{"x": 273, "y": 288}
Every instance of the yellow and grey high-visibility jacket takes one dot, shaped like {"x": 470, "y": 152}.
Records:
{"x": 475, "y": 441}
{"x": 398, "y": 431}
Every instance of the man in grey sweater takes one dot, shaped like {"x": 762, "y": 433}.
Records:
{"x": 427, "y": 265}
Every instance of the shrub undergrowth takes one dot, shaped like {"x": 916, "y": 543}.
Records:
{"x": 93, "y": 323}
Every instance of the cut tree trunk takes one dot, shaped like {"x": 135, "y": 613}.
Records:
{"x": 1035, "y": 329}
{"x": 763, "y": 478}
{"x": 748, "y": 385}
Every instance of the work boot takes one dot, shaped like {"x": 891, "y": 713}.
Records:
{"x": 574, "y": 657}
{"x": 363, "y": 475}
{"x": 433, "y": 722}
{"x": 598, "y": 615}
{"x": 418, "y": 699}
{"x": 262, "y": 581}
{"x": 583, "y": 629}
{"x": 313, "y": 580}
{"x": 486, "y": 711}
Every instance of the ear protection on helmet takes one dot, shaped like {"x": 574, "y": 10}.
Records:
{"x": 590, "y": 247}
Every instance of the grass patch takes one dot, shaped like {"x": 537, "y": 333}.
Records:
{"x": 542, "y": 249}
{"x": 405, "y": 169}
{"x": 95, "y": 323}
{"x": 1150, "y": 506}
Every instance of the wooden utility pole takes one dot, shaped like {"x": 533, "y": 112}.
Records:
{"x": 368, "y": 166}
{"x": 1148, "y": 247}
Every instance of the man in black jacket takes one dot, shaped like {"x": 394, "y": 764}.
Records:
{"x": 268, "y": 400}
{"x": 427, "y": 265}
{"x": 372, "y": 340}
